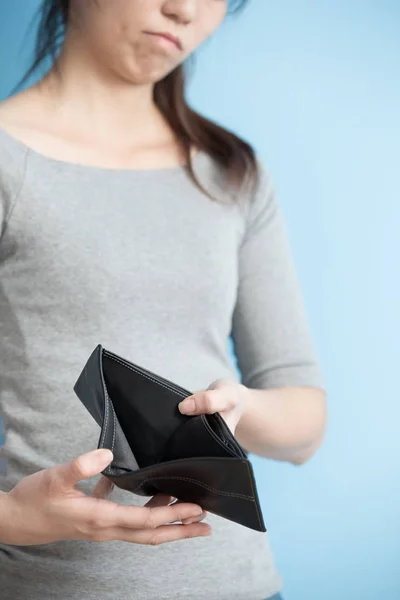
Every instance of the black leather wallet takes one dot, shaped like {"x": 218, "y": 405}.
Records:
{"x": 157, "y": 449}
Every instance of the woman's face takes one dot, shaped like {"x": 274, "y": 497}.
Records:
{"x": 143, "y": 40}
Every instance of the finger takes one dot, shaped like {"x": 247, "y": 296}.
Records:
{"x": 198, "y": 519}
{"x": 103, "y": 488}
{"x": 150, "y": 518}
{"x": 159, "y": 500}
{"x": 161, "y": 535}
{"x": 85, "y": 466}
{"x": 210, "y": 401}
{"x": 191, "y": 520}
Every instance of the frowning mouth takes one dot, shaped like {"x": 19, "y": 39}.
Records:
{"x": 166, "y": 38}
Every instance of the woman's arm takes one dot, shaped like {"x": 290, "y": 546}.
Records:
{"x": 278, "y": 410}
{"x": 285, "y": 424}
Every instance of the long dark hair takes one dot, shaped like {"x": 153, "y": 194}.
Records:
{"x": 232, "y": 154}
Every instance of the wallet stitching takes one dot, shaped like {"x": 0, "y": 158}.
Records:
{"x": 114, "y": 419}
{"x": 203, "y": 485}
{"x": 254, "y": 495}
{"x": 132, "y": 368}
{"x": 105, "y": 428}
{"x": 105, "y": 422}
{"x": 107, "y": 403}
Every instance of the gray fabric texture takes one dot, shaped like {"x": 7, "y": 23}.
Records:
{"x": 147, "y": 265}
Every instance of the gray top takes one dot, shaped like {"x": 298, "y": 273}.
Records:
{"x": 145, "y": 264}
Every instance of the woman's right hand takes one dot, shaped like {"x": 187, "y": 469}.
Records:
{"x": 47, "y": 507}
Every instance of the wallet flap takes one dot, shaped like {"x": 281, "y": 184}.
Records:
{"x": 223, "y": 486}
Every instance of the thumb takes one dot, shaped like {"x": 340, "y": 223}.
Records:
{"x": 85, "y": 466}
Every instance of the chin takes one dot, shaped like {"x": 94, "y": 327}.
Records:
{"x": 147, "y": 74}
{"x": 145, "y": 78}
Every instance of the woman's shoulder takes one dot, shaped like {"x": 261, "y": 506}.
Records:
{"x": 256, "y": 186}
{"x": 13, "y": 156}
{"x": 257, "y": 193}
{"x": 256, "y": 196}
{"x": 20, "y": 117}
{"x": 13, "y": 114}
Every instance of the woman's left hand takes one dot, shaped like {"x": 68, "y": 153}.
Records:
{"x": 223, "y": 396}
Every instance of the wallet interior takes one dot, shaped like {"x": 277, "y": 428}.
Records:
{"x": 157, "y": 431}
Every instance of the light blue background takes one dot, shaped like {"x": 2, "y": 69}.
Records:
{"x": 315, "y": 85}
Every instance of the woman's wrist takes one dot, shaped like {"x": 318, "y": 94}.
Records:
{"x": 282, "y": 423}
{"x": 7, "y": 519}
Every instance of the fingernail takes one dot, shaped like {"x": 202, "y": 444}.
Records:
{"x": 103, "y": 454}
{"x": 195, "y": 514}
{"x": 192, "y": 520}
{"x": 187, "y": 406}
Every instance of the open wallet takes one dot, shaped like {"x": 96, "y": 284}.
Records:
{"x": 157, "y": 449}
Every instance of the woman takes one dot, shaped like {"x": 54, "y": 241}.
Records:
{"x": 129, "y": 220}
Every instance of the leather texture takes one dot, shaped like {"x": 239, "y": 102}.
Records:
{"x": 157, "y": 449}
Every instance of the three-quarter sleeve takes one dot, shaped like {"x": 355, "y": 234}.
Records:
{"x": 270, "y": 330}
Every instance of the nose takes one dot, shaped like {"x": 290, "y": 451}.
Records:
{"x": 181, "y": 11}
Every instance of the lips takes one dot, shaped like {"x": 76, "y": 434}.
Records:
{"x": 167, "y": 36}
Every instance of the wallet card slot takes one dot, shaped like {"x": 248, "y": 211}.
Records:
{"x": 216, "y": 423}
{"x": 195, "y": 439}
{"x": 218, "y": 434}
